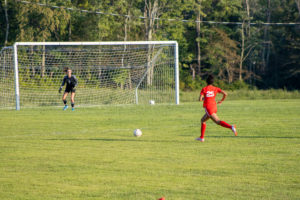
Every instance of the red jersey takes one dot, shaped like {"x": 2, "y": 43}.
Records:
{"x": 209, "y": 92}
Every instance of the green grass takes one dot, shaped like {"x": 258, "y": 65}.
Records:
{"x": 91, "y": 153}
{"x": 245, "y": 94}
{"x": 37, "y": 97}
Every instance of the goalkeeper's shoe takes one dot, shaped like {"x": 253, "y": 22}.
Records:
{"x": 66, "y": 107}
{"x": 73, "y": 109}
{"x": 200, "y": 139}
{"x": 233, "y": 128}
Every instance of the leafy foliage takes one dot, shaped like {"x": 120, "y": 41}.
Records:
{"x": 265, "y": 56}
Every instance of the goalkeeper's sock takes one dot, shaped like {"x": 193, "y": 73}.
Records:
{"x": 65, "y": 102}
{"x": 203, "y": 127}
{"x": 72, "y": 104}
{"x": 224, "y": 124}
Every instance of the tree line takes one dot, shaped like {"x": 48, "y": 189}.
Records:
{"x": 255, "y": 49}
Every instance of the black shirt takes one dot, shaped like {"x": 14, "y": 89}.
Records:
{"x": 71, "y": 82}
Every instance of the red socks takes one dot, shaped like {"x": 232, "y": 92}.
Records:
{"x": 224, "y": 124}
{"x": 203, "y": 127}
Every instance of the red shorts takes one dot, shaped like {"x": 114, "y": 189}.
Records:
{"x": 210, "y": 110}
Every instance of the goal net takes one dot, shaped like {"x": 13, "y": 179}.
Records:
{"x": 107, "y": 72}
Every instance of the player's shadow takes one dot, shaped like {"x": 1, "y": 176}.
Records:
{"x": 170, "y": 141}
{"x": 256, "y": 136}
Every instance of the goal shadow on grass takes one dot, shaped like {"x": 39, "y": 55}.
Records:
{"x": 117, "y": 140}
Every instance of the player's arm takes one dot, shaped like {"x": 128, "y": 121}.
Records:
{"x": 62, "y": 84}
{"x": 76, "y": 82}
{"x": 224, "y": 96}
{"x": 201, "y": 97}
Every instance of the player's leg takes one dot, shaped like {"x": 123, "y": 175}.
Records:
{"x": 216, "y": 119}
{"x": 73, "y": 100}
{"x": 64, "y": 100}
{"x": 203, "y": 127}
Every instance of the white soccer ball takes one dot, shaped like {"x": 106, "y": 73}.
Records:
{"x": 152, "y": 102}
{"x": 137, "y": 133}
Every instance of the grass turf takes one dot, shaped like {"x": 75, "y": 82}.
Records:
{"x": 91, "y": 153}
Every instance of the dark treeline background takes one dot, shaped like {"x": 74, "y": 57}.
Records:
{"x": 240, "y": 55}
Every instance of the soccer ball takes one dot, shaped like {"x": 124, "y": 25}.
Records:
{"x": 152, "y": 102}
{"x": 137, "y": 133}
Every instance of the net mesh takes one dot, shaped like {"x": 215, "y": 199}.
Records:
{"x": 7, "y": 89}
{"x": 107, "y": 74}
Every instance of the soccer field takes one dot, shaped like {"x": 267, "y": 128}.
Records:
{"x": 91, "y": 153}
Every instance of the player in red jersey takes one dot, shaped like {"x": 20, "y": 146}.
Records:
{"x": 208, "y": 95}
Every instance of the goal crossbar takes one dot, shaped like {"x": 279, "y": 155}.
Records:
{"x": 95, "y": 43}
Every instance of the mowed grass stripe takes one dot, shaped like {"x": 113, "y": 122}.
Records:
{"x": 91, "y": 153}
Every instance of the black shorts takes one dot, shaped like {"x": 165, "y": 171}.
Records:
{"x": 70, "y": 89}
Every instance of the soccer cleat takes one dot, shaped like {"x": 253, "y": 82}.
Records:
{"x": 66, "y": 107}
{"x": 233, "y": 128}
{"x": 73, "y": 109}
{"x": 200, "y": 139}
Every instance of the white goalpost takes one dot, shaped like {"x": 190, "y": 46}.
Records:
{"x": 107, "y": 72}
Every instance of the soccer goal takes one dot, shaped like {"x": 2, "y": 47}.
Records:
{"x": 107, "y": 72}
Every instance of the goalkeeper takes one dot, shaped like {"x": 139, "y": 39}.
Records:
{"x": 71, "y": 83}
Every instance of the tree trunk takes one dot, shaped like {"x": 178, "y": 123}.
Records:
{"x": 298, "y": 5}
{"x": 99, "y": 66}
{"x": 248, "y": 18}
{"x": 32, "y": 65}
{"x": 269, "y": 42}
{"x": 7, "y": 23}
{"x": 43, "y": 60}
{"x": 125, "y": 47}
{"x": 229, "y": 73}
{"x": 125, "y": 38}
{"x": 129, "y": 80}
{"x": 150, "y": 66}
{"x": 193, "y": 72}
{"x": 70, "y": 29}
{"x": 198, "y": 28}
{"x": 266, "y": 50}
{"x": 126, "y": 27}
{"x": 150, "y": 13}
{"x": 242, "y": 52}
{"x": 99, "y": 71}
{"x": 4, "y": 66}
